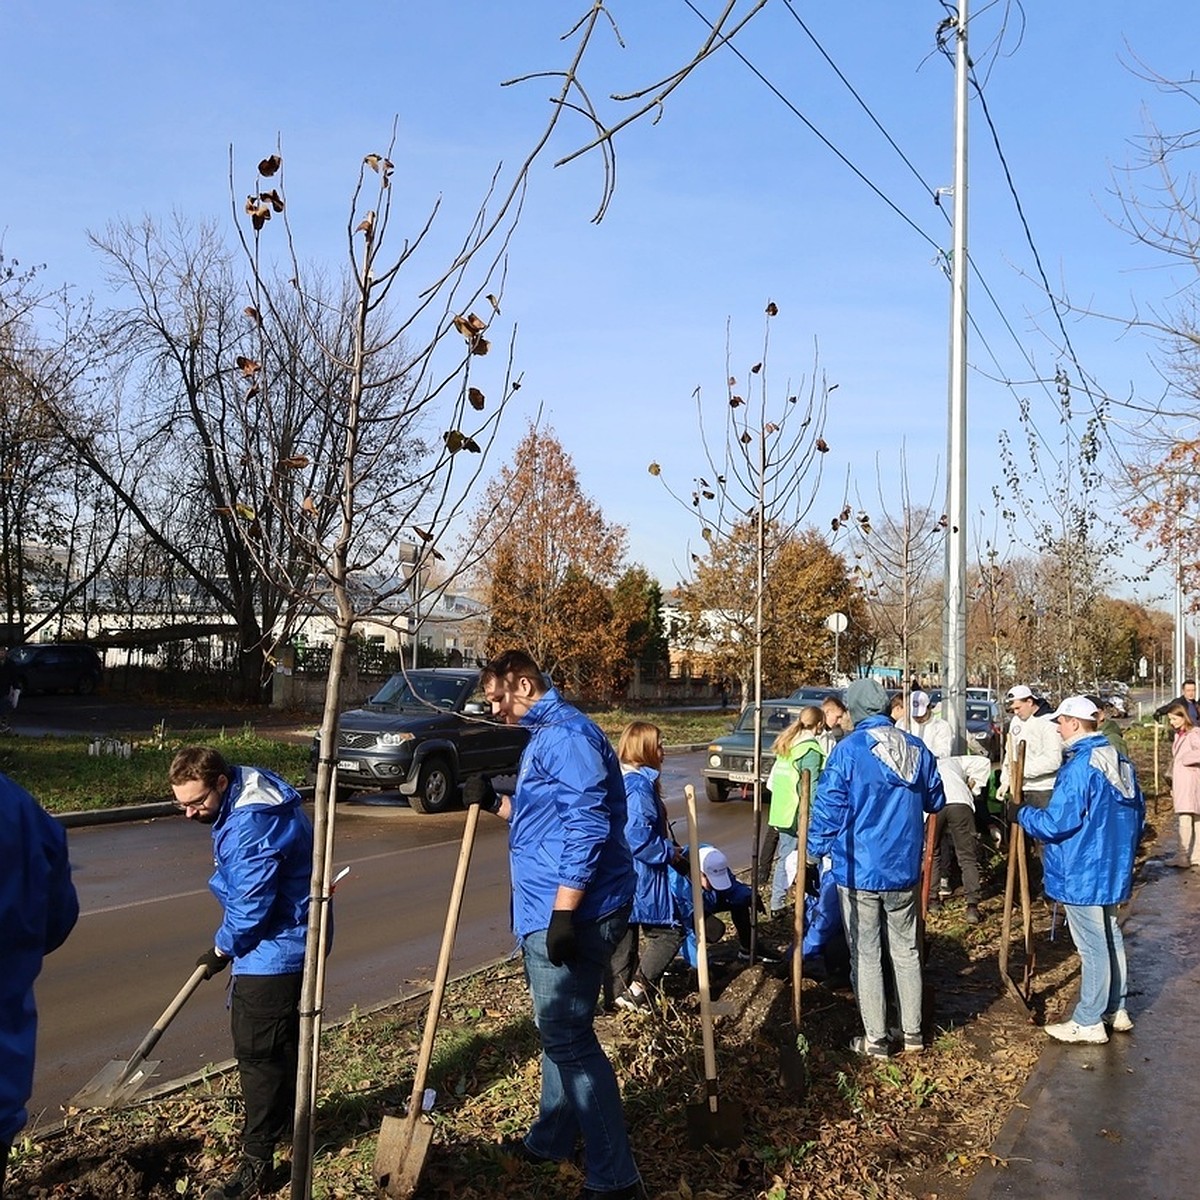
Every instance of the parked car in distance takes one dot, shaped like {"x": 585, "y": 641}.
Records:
{"x": 730, "y": 761}
{"x": 981, "y": 693}
{"x": 814, "y": 695}
{"x": 422, "y": 734}
{"x": 57, "y": 667}
{"x": 983, "y": 728}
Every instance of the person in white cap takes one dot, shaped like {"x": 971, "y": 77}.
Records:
{"x": 722, "y": 892}
{"x": 1090, "y": 830}
{"x": 934, "y": 731}
{"x": 1043, "y": 749}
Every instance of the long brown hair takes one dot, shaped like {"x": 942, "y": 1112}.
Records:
{"x": 1180, "y": 708}
{"x": 640, "y": 745}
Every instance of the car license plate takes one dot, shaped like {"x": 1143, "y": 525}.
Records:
{"x": 348, "y": 764}
{"x": 742, "y": 777}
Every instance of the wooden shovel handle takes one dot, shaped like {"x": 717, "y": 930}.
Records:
{"x": 804, "y": 785}
{"x": 438, "y": 992}
{"x": 706, "y": 1020}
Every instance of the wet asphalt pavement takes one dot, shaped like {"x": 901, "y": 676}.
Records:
{"x": 1120, "y": 1120}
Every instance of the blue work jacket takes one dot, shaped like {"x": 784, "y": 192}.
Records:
{"x": 262, "y": 849}
{"x": 567, "y": 825}
{"x": 1091, "y": 826}
{"x": 38, "y": 908}
{"x": 652, "y": 848}
{"x": 868, "y": 814}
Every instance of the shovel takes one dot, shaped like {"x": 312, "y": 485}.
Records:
{"x": 404, "y": 1141}
{"x": 792, "y": 1064}
{"x": 1017, "y": 864}
{"x": 119, "y": 1080}
{"x": 712, "y": 1122}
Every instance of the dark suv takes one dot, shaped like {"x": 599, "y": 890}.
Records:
{"x": 421, "y": 734}
{"x": 57, "y": 667}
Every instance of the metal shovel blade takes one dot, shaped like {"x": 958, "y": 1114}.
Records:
{"x": 400, "y": 1155}
{"x": 715, "y": 1122}
{"x": 113, "y": 1084}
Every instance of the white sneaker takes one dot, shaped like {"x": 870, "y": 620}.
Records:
{"x": 1119, "y": 1022}
{"x": 1072, "y": 1031}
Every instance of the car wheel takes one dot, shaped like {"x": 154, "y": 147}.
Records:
{"x": 86, "y": 685}
{"x": 715, "y": 791}
{"x": 436, "y": 790}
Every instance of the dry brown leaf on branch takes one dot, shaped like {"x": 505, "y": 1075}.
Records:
{"x": 367, "y": 225}
{"x": 754, "y": 370}
{"x": 308, "y": 506}
{"x": 736, "y": 401}
{"x": 746, "y": 439}
{"x": 253, "y": 314}
{"x": 654, "y": 469}
{"x": 469, "y": 325}
{"x": 456, "y": 440}
{"x": 294, "y": 462}
{"x": 378, "y": 163}
{"x": 423, "y": 534}
{"x": 822, "y": 445}
{"x": 247, "y": 366}
{"x": 475, "y": 398}
{"x": 772, "y": 309}
{"x": 273, "y": 198}
{"x": 259, "y": 213}
{"x": 270, "y": 165}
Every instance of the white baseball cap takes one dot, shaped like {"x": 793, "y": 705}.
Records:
{"x": 920, "y": 703}
{"x": 715, "y": 865}
{"x": 1079, "y": 707}
{"x": 1020, "y": 692}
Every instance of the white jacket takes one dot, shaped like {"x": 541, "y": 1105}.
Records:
{"x": 1043, "y": 754}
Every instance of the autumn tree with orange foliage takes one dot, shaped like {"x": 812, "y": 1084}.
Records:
{"x": 549, "y": 574}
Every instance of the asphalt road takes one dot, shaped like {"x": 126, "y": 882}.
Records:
{"x": 147, "y": 914}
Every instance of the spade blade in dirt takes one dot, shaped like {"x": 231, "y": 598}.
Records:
{"x": 400, "y": 1154}
{"x": 116, "y": 1082}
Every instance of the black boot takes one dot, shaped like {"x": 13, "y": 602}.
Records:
{"x": 252, "y": 1177}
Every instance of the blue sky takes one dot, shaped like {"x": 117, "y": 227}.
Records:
{"x": 119, "y": 109}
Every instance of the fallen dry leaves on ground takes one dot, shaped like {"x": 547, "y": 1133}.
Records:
{"x": 916, "y": 1125}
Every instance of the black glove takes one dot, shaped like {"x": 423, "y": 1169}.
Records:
{"x": 560, "y": 938}
{"x": 759, "y": 906}
{"x": 212, "y": 962}
{"x": 812, "y": 879}
{"x": 478, "y": 790}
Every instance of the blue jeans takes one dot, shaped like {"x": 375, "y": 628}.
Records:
{"x": 580, "y": 1096}
{"x": 864, "y": 914}
{"x": 779, "y": 884}
{"x": 1103, "y": 978}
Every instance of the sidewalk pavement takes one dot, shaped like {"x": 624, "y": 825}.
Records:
{"x": 1120, "y": 1120}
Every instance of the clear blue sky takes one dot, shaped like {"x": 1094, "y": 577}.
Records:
{"x": 118, "y": 109}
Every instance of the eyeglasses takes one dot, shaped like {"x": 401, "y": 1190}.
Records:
{"x": 199, "y": 802}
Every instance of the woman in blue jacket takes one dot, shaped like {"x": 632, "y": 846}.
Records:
{"x": 654, "y": 934}
{"x": 1090, "y": 829}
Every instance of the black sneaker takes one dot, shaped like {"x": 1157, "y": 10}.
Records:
{"x": 249, "y": 1180}
{"x": 518, "y": 1149}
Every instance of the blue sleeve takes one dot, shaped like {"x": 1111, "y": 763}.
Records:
{"x": 1060, "y": 819}
{"x": 822, "y": 915}
{"x": 642, "y": 822}
{"x": 831, "y": 806}
{"x": 935, "y": 793}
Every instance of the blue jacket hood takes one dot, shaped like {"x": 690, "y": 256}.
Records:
{"x": 868, "y": 813}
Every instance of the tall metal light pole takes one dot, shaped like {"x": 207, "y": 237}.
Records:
{"x": 954, "y": 655}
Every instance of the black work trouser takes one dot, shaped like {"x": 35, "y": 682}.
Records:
{"x": 644, "y": 953}
{"x": 956, "y": 829}
{"x": 265, "y": 1022}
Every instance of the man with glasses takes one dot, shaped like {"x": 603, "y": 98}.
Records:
{"x": 262, "y": 848}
